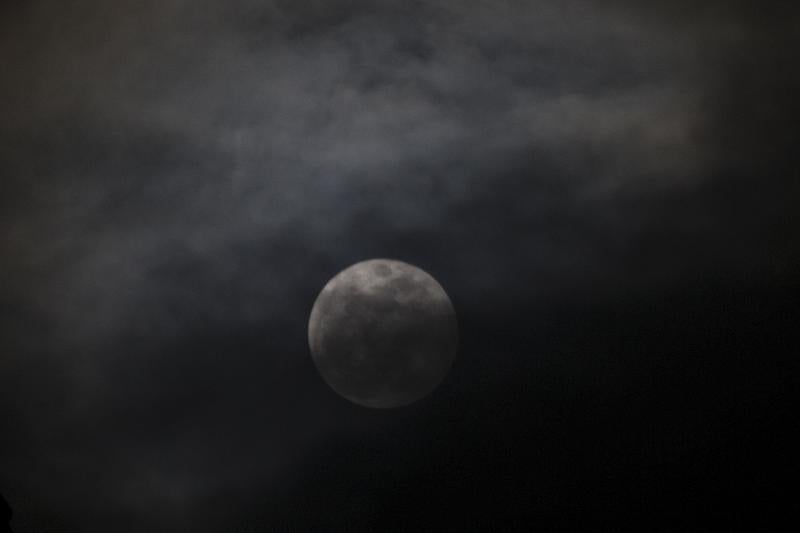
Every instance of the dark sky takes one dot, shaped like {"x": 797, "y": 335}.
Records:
{"x": 608, "y": 191}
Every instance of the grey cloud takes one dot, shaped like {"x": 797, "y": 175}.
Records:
{"x": 180, "y": 178}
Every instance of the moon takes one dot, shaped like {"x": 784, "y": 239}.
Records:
{"x": 383, "y": 333}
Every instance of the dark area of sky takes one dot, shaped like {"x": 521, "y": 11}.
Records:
{"x": 607, "y": 190}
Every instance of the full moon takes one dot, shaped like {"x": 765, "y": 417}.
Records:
{"x": 383, "y": 333}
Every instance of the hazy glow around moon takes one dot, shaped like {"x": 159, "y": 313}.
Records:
{"x": 383, "y": 333}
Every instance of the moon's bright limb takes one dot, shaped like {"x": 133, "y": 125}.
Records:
{"x": 383, "y": 333}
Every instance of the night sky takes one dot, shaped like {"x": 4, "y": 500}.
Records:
{"x": 608, "y": 191}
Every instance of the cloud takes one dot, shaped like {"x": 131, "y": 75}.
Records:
{"x": 180, "y": 178}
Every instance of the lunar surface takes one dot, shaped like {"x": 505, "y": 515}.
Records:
{"x": 383, "y": 333}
